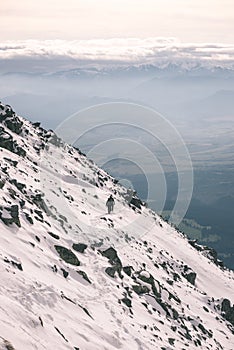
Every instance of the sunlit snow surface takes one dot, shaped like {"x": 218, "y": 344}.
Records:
{"x": 42, "y": 309}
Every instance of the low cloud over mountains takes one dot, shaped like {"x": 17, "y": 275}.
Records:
{"x": 43, "y": 55}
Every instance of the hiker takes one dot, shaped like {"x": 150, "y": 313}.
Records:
{"x": 110, "y": 204}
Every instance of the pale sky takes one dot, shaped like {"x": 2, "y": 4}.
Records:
{"x": 189, "y": 21}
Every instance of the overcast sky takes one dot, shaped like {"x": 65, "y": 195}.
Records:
{"x": 61, "y": 34}
{"x": 188, "y": 20}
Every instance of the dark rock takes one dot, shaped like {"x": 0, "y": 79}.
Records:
{"x": 14, "y": 213}
{"x": 11, "y": 161}
{"x": 151, "y": 281}
{"x": 14, "y": 263}
{"x": 54, "y": 268}
{"x": 36, "y": 124}
{"x": 189, "y": 274}
{"x": 11, "y": 121}
{"x": 210, "y": 253}
{"x": 139, "y": 289}
{"x": 136, "y": 202}
{"x": 17, "y": 184}
{"x": 175, "y": 314}
{"x": 114, "y": 260}
{"x": 7, "y": 142}
{"x": 39, "y": 201}
{"x": 53, "y": 235}
{"x": 2, "y": 183}
{"x": 39, "y": 213}
{"x": 8, "y": 345}
{"x": 61, "y": 334}
{"x": 227, "y": 311}
{"x": 67, "y": 255}
{"x": 38, "y": 219}
{"x": 41, "y": 322}
{"x": 171, "y": 341}
{"x": 28, "y": 217}
{"x": 205, "y": 331}
{"x": 112, "y": 255}
{"x": 128, "y": 270}
{"x": 79, "y": 247}
{"x": 127, "y": 302}
{"x": 22, "y": 203}
{"x": 65, "y": 273}
{"x": 18, "y": 265}
{"x": 55, "y": 140}
{"x": 84, "y": 275}
{"x": 85, "y": 310}
{"x": 12, "y": 193}
{"x": 111, "y": 271}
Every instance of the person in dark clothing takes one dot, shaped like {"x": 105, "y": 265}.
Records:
{"x": 110, "y": 204}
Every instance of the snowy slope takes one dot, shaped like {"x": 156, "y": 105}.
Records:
{"x": 74, "y": 277}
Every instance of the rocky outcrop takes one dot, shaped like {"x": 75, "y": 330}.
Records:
{"x": 12, "y": 216}
{"x": 136, "y": 202}
{"x": 114, "y": 260}
{"x": 79, "y": 247}
{"x": 189, "y": 274}
{"x": 227, "y": 311}
{"x": 210, "y": 253}
{"x": 7, "y": 142}
{"x": 11, "y": 120}
{"x": 67, "y": 255}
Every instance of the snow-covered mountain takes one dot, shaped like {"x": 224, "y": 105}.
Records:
{"x": 75, "y": 277}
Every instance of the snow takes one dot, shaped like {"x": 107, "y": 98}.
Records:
{"x": 41, "y": 309}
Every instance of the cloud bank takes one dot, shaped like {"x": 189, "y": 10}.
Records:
{"x": 132, "y": 51}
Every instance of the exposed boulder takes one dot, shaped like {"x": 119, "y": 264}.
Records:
{"x": 11, "y": 161}
{"x": 127, "y": 302}
{"x": 2, "y": 183}
{"x": 79, "y": 247}
{"x": 11, "y": 121}
{"x": 114, "y": 260}
{"x": 36, "y": 124}
{"x": 18, "y": 185}
{"x": 139, "y": 289}
{"x": 29, "y": 218}
{"x": 136, "y": 202}
{"x": 227, "y": 311}
{"x": 128, "y": 270}
{"x": 13, "y": 212}
{"x": 112, "y": 255}
{"x": 67, "y": 255}
{"x": 7, "y": 142}
{"x": 189, "y": 274}
{"x": 111, "y": 271}
{"x": 148, "y": 278}
{"x": 65, "y": 273}
{"x": 39, "y": 201}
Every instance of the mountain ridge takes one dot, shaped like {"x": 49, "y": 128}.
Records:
{"x": 74, "y": 277}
